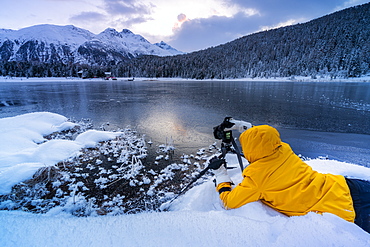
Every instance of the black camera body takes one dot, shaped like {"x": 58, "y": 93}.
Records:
{"x": 220, "y": 133}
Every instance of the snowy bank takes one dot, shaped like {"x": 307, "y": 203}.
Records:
{"x": 252, "y": 225}
{"x": 195, "y": 219}
{"x": 23, "y": 148}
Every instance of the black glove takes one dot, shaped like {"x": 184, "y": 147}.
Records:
{"x": 215, "y": 163}
{"x": 219, "y": 169}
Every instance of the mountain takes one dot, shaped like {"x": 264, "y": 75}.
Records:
{"x": 69, "y": 44}
{"x": 168, "y": 48}
{"x": 335, "y": 45}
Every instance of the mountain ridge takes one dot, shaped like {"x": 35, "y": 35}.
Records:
{"x": 53, "y": 43}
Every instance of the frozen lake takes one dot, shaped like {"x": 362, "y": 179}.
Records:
{"x": 317, "y": 118}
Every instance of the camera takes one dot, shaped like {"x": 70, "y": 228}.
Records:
{"x": 220, "y": 133}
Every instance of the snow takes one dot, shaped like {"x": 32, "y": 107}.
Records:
{"x": 133, "y": 43}
{"x": 23, "y": 149}
{"x": 125, "y": 41}
{"x": 168, "y": 48}
{"x": 50, "y": 34}
{"x": 195, "y": 219}
{"x": 251, "y": 226}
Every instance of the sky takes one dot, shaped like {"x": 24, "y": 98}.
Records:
{"x": 187, "y": 25}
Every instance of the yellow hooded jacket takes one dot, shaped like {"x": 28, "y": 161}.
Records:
{"x": 281, "y": 180}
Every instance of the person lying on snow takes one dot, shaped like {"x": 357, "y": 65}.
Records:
{"x": 280, "y": 179}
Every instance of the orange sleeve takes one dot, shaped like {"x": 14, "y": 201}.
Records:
{"x": 242, "y": 194}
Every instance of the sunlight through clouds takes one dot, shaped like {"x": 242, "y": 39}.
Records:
{"x": 165, "y": 15}
{"x": 181, "y": 18}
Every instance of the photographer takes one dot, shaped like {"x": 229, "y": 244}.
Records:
{"x": 280, "y": 179}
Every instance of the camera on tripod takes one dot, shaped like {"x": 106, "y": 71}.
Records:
{"x": 224, "y": 130}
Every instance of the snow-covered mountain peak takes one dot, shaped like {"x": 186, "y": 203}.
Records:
{"x": 126, "y": 31}
{"x": 54, "y": 32}
{"x": 110, "y": 32}
{"x": 168, "y": 48}
{"x": 162, "y": 44}
{"x": 59, "y": 43}
{"x": 111, "y": 35}
{"x": 127, "y": 41}
{"x": 70, "y": 34}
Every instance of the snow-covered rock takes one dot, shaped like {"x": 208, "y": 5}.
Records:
{"x": 24, "y": 149}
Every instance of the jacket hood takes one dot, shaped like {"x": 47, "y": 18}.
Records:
{"x": 259, "y": 142}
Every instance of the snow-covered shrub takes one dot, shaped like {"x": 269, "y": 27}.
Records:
{"x": 118, "y": 176}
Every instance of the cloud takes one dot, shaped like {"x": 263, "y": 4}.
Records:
{"x": 128, "y": 22}
{"x": 201, "y": 33}
{"x": 292, "y": 9}
{"x": 88, "y": 17}
{"x": 181, "y": 18}
{"x": 127, "y": 7}
{"x": 252, "y": 16}
{"x": 351, "y": 3}
{"x": 127, "y": 13}
{"x": 114, "y": 13}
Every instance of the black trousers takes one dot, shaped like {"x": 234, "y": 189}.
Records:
{"x": 360, "y": 192}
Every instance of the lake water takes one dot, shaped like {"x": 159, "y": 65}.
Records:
{"x": 316, "y": 118}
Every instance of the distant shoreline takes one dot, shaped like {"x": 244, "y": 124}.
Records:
{"x": 365, "y": 79}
